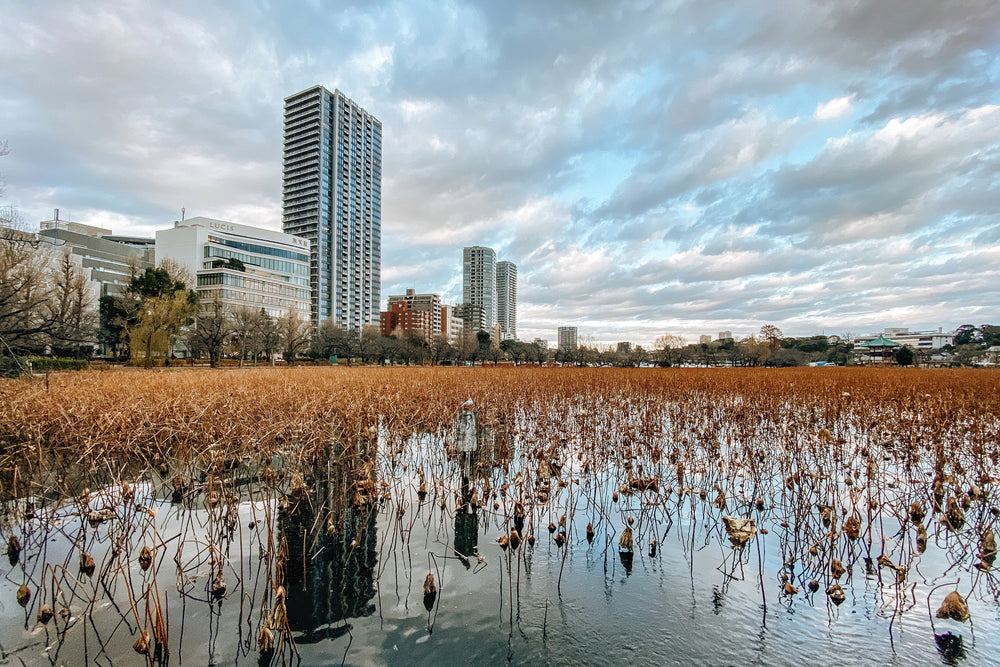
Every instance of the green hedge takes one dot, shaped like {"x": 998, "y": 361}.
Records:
{"x": 11, "y": 367}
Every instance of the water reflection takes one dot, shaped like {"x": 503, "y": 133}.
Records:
{"x": 466, "y": 535}
{"x": 331, "y": 540}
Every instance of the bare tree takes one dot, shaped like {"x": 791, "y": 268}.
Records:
{"x": 212, "y": 327}
{"x": 44, "y": 296}
{"x": 667, "y": 349}
{"x": 295, "y": 335}
{"x": 247, "y": 331}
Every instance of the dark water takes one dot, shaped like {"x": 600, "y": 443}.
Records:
{"x": 354, "y": 573}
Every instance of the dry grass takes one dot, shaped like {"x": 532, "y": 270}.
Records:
{"x": 842, "y": 464}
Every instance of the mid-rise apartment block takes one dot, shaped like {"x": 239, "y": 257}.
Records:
{"x": 429, "y": 303}
{"x": 566, "y": 337}
{"x": 332, "y": 196}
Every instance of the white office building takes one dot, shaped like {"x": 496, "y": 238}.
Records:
{"x": 241, "y": 266}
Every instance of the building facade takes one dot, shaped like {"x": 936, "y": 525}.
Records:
{"x": 507, "y": 300}
{"x": 567, "y": 337}
{"x": 110, "y": 265}
{"x": 332, "y": 196}
{"x": 402, "y": 317}
{"x": 241, "y": 266}
{"x": 427, "y": 303}
{"x": 451, "y": 323}
{"x": 479, "y": 285}
{"x": 918, "y": 340}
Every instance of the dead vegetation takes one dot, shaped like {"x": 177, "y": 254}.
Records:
{"x": 844, "y": 470}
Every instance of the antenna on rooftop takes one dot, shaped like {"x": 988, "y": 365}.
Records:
{"x": 183, "y": 213}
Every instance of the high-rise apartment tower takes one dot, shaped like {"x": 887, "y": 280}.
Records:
{"x": 507, "y": 300}
{"x": 332, "y": 195}
{"x": 479, "y": 287}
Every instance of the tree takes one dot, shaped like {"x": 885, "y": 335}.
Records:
{"x": 414, "y": 345}
{"x": 334, "y": 339}
{"x": 268, "y": 335}
{"x": 295, "y": 335}
{"x": 771, "y": 335}
{"x": 163, "y": 307}
{"x": 989, "y": 334}
{"x": 667, "y": 349}
{"x": 965, "y": 335}
{"x": 45, "y": 300}
{"x": 212, "y": 327}
{"x": 371, "y": 344}
{"x": 904, "y": 355}
{"x": 246, "y": 330}
{"x": 440, "y": 348}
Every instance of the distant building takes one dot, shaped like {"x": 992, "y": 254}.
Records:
{"x": 402, "y": 317}
{"x": 918, "y": 340}
{"x": 241, "y": 266}
{"x": 479, "y": 285}
{"x": 725, "y": 335}
{"x": 507, "y": 300}
{"x": 704, "y": 339}
{"x": 429, "y": 303}
{"x": 625, "y": 347}
{"x": 332, "y": 196}
{"x": 542, "y": 343}
{"x": 451, "y": 323}
{"x": 567, "y": 337}
{"x": 110, "y": 264}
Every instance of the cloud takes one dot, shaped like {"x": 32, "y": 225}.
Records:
{"x": 835, "y": 108}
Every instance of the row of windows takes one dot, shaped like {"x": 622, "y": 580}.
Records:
{"x": 253, "y": 300}
{"x": 260, "y": 249}
{"x": 254, "y": 284}
{"x": 281, "y": 266}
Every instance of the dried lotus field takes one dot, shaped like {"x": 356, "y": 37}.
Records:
{"x": 477, "y": 515}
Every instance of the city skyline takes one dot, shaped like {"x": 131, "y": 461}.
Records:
{"x": 682, "y": 168}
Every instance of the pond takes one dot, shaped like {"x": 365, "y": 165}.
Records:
{"x": 432, "y": 550}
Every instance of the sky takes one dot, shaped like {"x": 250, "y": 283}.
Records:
{"x": 673, "y": 167}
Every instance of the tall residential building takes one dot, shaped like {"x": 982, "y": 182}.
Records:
{"x": 507, "y": 300}
{"x": 479, "y": 286}
{"x": 241, "y": 266}
{"x": 567, "y": 338}
{"x": 332, "y": 195}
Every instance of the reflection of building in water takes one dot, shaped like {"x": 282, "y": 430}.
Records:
{"x": 330, "y": 572}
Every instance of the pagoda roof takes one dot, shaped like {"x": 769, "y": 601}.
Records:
{"x": 881, "y": 341}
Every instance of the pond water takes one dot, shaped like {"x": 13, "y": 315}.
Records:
{"x": 331, "y": 560}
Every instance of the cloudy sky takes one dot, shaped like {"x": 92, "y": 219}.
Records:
{"x": 651, "y": 167}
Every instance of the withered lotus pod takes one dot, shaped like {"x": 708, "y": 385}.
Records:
{"x": 145, "y": 558}
{"x": 954, "y": 607}
{"x": 23, "y": 595}
{"x": 45, "y": 614}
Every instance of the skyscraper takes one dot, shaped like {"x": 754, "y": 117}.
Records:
{"x": 507, "y": 300}
{"x": 479, "y": 286}
{"x": 332, "y": 195}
